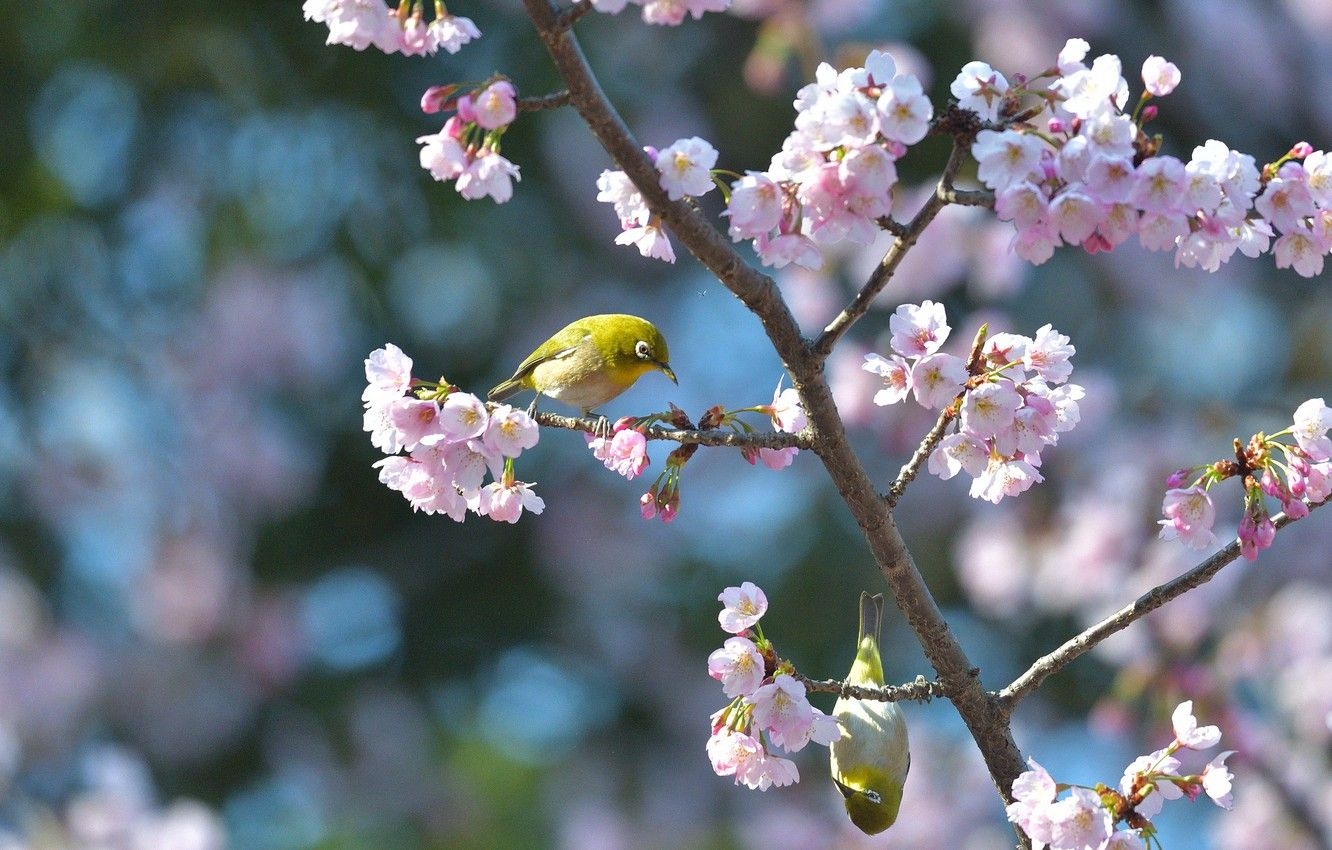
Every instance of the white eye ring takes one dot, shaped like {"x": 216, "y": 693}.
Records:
{"x": 643, "y": 350}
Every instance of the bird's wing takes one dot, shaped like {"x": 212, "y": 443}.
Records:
{"x": 552, "y": 349}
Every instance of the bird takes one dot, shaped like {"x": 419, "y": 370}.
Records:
{"x": 870, "y": 760}
{"x": 590, "y": 361}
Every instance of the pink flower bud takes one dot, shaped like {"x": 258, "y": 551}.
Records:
{"x": 1300, "y": 150}
{"x": 647, "y": 506}
{"x": 1148, "y": 112}
{"x": 435, "y": 98}
{"x": 1177, "y": 479}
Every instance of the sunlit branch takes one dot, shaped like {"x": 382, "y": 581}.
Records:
{"x": 708, "y": 437}
{"x": 920, "y": 690}
{"x": 1148, "y": 602}
{"x": 902, "y": 243}
{"x": 572, "y": 15}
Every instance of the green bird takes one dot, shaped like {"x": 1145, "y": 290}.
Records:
{"x": 870, "y": 761}
{"x": 590, "y": 361}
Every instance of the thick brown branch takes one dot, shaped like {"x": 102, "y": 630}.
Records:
{"x": 902, "y": 243}
{"x": 920, "y": 690}
{"x": 959, "y": 679}
{"x": 1074, "y": 647}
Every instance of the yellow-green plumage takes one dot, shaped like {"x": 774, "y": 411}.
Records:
{"x": 870, "y": 761}
{"x": 591, "y": 361}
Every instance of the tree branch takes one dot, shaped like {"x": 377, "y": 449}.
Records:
{"x": 1074, "y": 647}
{"x": 536, "y": 103}
{"x": 687, "y": 436}
{"x": 958, "y": 678}
{"x": 920, "y": 690}
{"x": 903, "y": 242}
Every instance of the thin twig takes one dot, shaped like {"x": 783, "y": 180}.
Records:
{"x": 687, "y": 436}
{"x": 902, "y": 243}
{"x": 920, "y": 690}
{"x": 911, "y": 468}
{"x": 536, "y": 103}
{"x": 1148, "y": 602}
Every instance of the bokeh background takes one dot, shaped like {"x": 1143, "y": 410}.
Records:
{"x": 217, "y": 629}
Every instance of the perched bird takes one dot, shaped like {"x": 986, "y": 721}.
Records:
{"x": 590, "y": 361}
{"x": 871, "y": 759}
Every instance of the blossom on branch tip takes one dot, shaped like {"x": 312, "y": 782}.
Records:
{"x": 742, "y": 607}
{"x": 738, "y": 666}
{"x": 1187, "y": 731}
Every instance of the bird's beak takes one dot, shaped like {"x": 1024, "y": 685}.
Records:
{"x": 667, "y": 371}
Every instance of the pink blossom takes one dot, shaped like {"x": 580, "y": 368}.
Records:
{"x": 463, "y": 416}
{"x": 980, "y": 88}
{"x": 1216, "y": 780}
{"x": 1159, "y": 76}
{"x": 772, "y": 770}
{"x": 650, "y": 240}
{"x": 781, "y": 708}
{"x": 896, "y": 374}
{"x": 1126, "y": 839}
{"x": 787, "y": 248}
{"x": 1034, "y": 792}
{"x": 451, "y": 32}
{"x": 1150, "y": 770}
{"x": 625, "y": 453}
{"x": 510, "y": 431}
{"x": 1079, "y": 821}
{"x": 417, "y": 421}
{"x": 918, "y": 329}
{"x": 1048, "y": 355}
{"x": 1313, "y": 418}
{"x": 936, "y": 379}
{"x": 443, "y": 155}
{"x": 1299, "y": 248}
{"x": 1159, "y": 183}
{"x": 1189, "y": 516}
{"x": 615, "y": 188}
{"x": 388, "y": 373}
{"x": 686, "y": 167}
{"x": 734, "y": 754}
{"x": 1023, "y": 203}
{"x": 738, "y": 666}
{"x": 505, "y": 502}
{"x": 778, "y": 458}
{"x": 904, "y": 110}
{"x": 755, "y": 206}
{"x": 489, "y": 174}
{"x": 989, "y": 408}
{"x": 787, "y": 411}
{"x": 1007, "y": 157}
{"x": 957, "y": 452}
{"x": 741, "y": 607}
{"x": 1005, "y": 477}
{"x": 384, "y": 434}
{"x": 1187, "y": 731}
{"x": 496, "y": 105}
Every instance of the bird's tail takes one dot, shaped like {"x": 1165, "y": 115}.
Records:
{"x": 503, "y": 390}
{"x": 868, "y": 668}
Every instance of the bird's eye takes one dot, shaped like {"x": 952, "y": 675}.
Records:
{"x": 873, "y": 797}
{"x": 643, "y": 350}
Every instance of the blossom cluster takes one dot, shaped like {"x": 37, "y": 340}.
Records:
{"x": 685, "y": 169}
{"x": 834, "y": 177}
{"x": 1087, "y": 818}
{"x": 1083, "y": 172}
{"x": 1007, "y": 407}
{"x": 669, "y": 13}
{"x": 768, "y": 707}
{"x": 467, "y": 149}
{"x": 364, "y": 23}
{"x": 451, "y": 440}
{"x": 1295, "y": 475}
